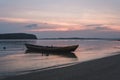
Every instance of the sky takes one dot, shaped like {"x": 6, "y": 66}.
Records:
{"x": 61, "y": 18}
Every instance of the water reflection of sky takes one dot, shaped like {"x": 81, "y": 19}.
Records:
{"x": 20, "y": 61}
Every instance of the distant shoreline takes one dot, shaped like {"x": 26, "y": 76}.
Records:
{"x": 17, "y": 36}
{"x": 111, "y": 39}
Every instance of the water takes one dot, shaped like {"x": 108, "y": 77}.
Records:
{"x": 15, "y": 60}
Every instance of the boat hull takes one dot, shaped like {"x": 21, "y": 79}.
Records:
{"x": 32, "y": 47}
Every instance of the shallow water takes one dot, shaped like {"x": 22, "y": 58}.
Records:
{"x": 14, "y": 58}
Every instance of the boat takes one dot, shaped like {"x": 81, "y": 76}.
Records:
{"x": 39, "y": 48}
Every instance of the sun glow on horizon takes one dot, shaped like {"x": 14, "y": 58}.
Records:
{"x": 65, "y": 26}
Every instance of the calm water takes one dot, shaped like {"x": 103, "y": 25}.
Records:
{"x": 15, "y": 60}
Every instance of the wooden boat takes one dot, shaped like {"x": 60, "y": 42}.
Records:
{"x": 32, "y": 47}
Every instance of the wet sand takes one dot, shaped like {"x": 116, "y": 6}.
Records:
{"x": 101, "y": 69}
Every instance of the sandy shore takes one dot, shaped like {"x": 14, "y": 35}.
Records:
{"x": 100, "y": 69}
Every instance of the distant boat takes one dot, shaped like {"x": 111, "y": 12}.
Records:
{"x": 32, "y": 47}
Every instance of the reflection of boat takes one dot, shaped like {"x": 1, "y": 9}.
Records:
{"x": 63, "y": 54}
{"x": 32, "y": 47}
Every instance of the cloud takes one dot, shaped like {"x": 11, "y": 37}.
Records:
{"x": 8, "y": 26}
{"x": 102, "y": 29}
{"x": 32, "y": 26}
{"x": 93, "y": 25}
{"x": 98, "y": 27}
{"x": 48, "y": 27}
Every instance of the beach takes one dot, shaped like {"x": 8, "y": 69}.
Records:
{"x": 107, "y": 68}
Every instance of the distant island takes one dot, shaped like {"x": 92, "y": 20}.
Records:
{"x": 17, "y": 36}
